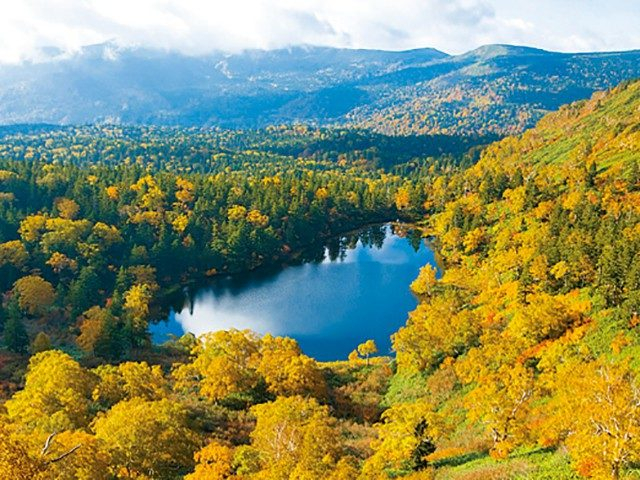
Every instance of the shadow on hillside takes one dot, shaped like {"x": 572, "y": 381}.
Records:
{"x": 460, "y": 459}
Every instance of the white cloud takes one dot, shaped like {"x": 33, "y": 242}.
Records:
{"x": 199, "y": 26}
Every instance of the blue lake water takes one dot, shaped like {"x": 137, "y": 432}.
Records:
{"x": 354, "y": 288}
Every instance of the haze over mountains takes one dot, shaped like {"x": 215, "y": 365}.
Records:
{"x": 494, "y": 89}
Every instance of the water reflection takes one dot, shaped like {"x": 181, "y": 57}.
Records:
{"x": 331, "y": 298}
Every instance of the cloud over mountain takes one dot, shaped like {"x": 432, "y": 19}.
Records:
{"x": 200, "y": 26}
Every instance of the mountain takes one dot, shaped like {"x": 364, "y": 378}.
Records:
{"x": 496, "y": 89}
{"x": 528, "y": 344}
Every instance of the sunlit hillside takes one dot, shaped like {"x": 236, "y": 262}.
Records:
{"x": 520, "y": 360}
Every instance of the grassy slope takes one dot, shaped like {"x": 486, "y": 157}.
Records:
{"x": 603, "y": 129}
{"x": 606, "y": 125}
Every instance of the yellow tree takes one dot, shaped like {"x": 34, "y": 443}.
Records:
{"x": 501, "y": 400}
{"x": 92, "y": 326}
{"x": 295, "y": 438}
{"x": 406, "y": 435}
{"x": 35, "y": 294}
{"x": 214, "y": 462}
{"x": 402, "y": 198}
{"x": 56, "y": 394}
{"x": 367, "y": 349}
{"x": 67, "y": 208}
{"x": 112, "y": 192}
{"x": 596, "y": 410}
{"x": 136, "y": 303}
{"x": 129, "y": 380}
{"x": 32, "y": 228}
{"x": 15, "y": 459}
{"x": 286, "y": 370}
{"x": 184, "y": 193}
{"x": 426, "y": 281}
{"x": 236, "y": 213}
{"x": 435, "y": 329}
{"x": 75, "y": 454}
{"x": 13, "y": 253}
{"x": 59, "y": 261}
{"x": 257, "y": 218}
{"x": 147, "y": 438}
{"x": 63, "y": 234}
{"x": 225, "y": 362}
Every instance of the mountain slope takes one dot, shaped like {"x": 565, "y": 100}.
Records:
{"x": 495, "y": 89}
{"x": 528, "y": 346}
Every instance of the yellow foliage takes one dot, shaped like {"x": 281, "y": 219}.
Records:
{"x": 225, "y": 361}
{"x": 92, "y": 325}
{"x": 13, "y": 253}
{"x": 402, "y": 198}
{"x": 67, "y": 208}
{"x": 86, "y": 462}
{"x": 425, "y": 282}
{"x": 15, "y": 461}
{"x": 501, "y": 401}
{"x": 56, "y": 395}
{"x": 129, "y": 380}
{"x": 32, "y": 228}
{"x": 236, "y": 213}
{"x": 35, "y": 294}
{"x": 146, "y": 437}
{"x": 473, "y": 240}
{"x": 180, "y": 223}
{"x": 136, "y": 302}
{"x": 405, "y": 429}
{"x": 596, "y": 409}
{"x": 213, "y": 463}
{"x": 367, "y": 349}
{"x": 287, "y": 371}
{"x": 185, "y": 192}
{"x": 322, "y": 193}
{"x": 59, "y": 261}
{"x": 257, "y": 218}
{"x": 112, "y": 192}
{"x": 295, "y": 438}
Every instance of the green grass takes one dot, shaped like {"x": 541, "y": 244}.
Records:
{"x": 525, "y": 464}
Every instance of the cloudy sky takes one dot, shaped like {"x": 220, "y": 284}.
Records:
{"x": 198, "y": 26}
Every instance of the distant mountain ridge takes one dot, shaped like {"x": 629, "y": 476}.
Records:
{"x": 495, "y": 89}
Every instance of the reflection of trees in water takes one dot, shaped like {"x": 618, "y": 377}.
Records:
{"x": 370, "y": 237}
{"x": 334, "y": 249}
{"x": 412, "y": 234}
{"x": 374, "y": 236}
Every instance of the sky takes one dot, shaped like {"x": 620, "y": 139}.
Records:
{"x": 196, "y": 27}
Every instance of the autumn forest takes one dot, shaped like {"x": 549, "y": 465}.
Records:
{"x": 521, "y": 359}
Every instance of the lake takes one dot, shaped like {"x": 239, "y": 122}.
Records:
{"x": 337, "y": 295}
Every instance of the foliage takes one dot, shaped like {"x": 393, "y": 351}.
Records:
{"x": 519, "y": 361}
{"x": 146, "y": 437}
{"x": 56, "y": 395}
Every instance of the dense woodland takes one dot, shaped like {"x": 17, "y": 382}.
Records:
{"x": 521, "y": 361}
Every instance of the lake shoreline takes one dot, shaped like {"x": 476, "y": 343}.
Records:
{"x": 335, "y": 297}
{"x": 284, "y": 260}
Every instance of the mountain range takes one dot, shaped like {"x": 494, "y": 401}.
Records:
{"x": 495, "y": 89}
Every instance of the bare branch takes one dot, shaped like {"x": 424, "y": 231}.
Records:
{"x": 64, "y": 455}
{"x": 47, "y": 443}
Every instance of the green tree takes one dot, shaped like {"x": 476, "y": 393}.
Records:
{"x": 15, "y": 335}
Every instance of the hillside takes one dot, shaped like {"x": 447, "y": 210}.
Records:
{"x": 521, "y": 360}
{"x": 495, "y": 89}
{"x": 538, "y": 363}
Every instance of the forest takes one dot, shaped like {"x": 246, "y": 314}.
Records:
{"x": 520, "y": 361}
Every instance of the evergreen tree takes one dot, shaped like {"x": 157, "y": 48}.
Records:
{"x": 84, "y": 292}
{"x": 15, "y": 334}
